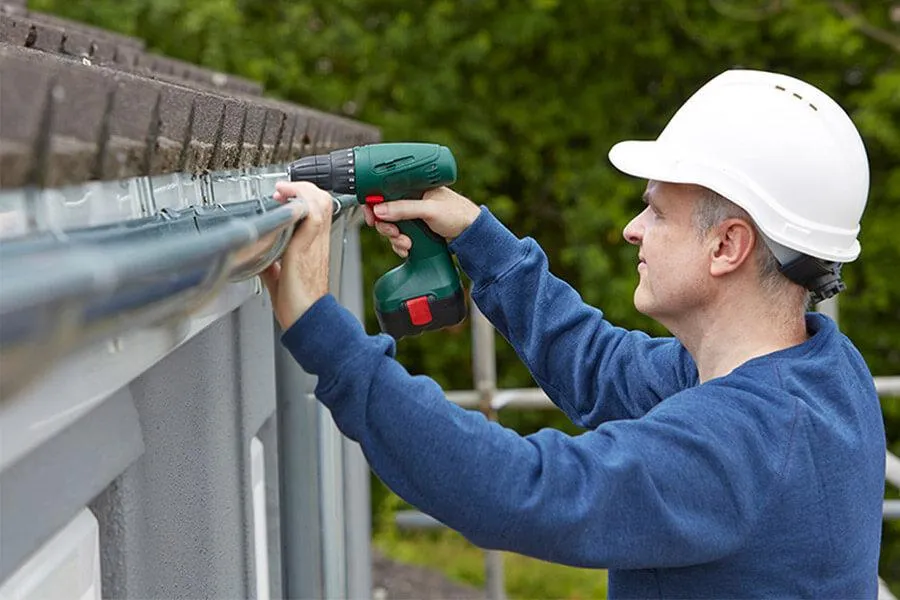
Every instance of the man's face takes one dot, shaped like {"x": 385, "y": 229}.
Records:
{"x": 674, "y": 261}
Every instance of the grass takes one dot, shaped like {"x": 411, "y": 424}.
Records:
{"x": 525, "y": 578}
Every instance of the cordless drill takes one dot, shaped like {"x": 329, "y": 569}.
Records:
{"x": 424, "y": 293}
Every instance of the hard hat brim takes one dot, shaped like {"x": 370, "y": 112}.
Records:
{"x": 649, "y": 160}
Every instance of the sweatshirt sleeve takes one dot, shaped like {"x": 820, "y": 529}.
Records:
{"x": 605, "y": 499}
{"x": 593, "y": 371}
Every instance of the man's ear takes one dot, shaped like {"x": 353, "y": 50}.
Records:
{"x": 733, "y": 242}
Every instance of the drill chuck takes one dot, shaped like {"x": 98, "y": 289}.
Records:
{"x": 335, "y": 171}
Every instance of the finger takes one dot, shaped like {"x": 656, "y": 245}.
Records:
{"x": 403, "y": 242}
{"x": 369, "y": 215}
{"x": 325, "y": 203}
{"x": 285, "y": 190}
{"x": 304, "y": 189}
{"x": 400, "y": 251}
{"x": 387, "y": 229}
{"x": 300, "y": 208}
{"x": 317, "y": 222}
{"x": 403, "y": 210}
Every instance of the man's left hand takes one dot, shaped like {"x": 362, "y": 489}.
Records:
{"x": 300, "y": 278}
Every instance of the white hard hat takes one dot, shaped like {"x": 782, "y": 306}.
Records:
{"x": 777, "y": 147}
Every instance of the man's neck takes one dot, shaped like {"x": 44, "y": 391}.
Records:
{"x": 721, "y": 338}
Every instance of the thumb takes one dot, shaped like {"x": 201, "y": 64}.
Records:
{"x": 403, "y": 210}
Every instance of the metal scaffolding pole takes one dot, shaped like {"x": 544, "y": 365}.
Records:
{"x": 484, "y": 369}
{"x": 830, "y": 307}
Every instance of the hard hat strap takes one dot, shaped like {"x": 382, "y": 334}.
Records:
{"x": 821, "y": 277}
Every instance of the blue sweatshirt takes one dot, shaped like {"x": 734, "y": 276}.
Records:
{"x": 765, "y": 482}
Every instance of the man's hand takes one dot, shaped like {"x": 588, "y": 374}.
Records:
{"x": 301, "y": 276}
{"x": 444, "y": 211}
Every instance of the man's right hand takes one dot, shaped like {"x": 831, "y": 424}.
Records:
{"x": 445, "y": 212}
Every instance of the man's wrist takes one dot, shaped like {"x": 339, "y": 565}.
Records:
{"x": 295, "y": 311}
{"x": 472, "y": 213}
{"x": 464, "y": 234}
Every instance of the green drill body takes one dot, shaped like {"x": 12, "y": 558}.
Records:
{"x": 424, "y": 293}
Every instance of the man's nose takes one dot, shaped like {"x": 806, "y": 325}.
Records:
{"x": 634, "y": 231}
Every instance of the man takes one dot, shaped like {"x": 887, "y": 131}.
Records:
{"x": 743, "y": 457}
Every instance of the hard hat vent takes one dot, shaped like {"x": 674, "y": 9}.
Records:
{"x": 797, "y": 96}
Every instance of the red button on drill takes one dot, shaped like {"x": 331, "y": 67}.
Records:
{"x": 419, "y": 311}
{"x": 372, "y": 200}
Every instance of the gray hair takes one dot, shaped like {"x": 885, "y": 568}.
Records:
{"x": 713, "y": 208}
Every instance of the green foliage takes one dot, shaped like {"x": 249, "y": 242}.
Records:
{"x": 531, "y": 95}
{"x": 524, "y": 578}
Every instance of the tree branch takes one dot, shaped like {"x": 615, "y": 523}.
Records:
{"x": 855, "y": 17}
